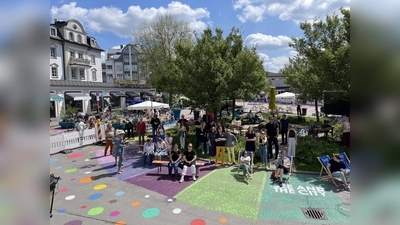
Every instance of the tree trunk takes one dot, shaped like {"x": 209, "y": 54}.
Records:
{"x": 316, "y": 109}
{"x": 233, "y": 108}
{"x": 170, "y": 100}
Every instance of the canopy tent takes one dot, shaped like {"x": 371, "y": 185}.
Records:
{"x": 55, "y": 98}
{"x": 286, "y": 95}
{"x": 148, "y": 105}
{"x": 78, "y": 96}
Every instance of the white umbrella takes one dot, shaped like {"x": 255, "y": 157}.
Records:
{"x": 148, "y": 105}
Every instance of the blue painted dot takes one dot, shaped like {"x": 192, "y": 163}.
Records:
{"x": 58, "y": 167}
{"x": 95, "y": 196}
{"x": 80, "y": 149}
{"x": 62, "y": 211}
{"x": 73, "y": 160}
{"x": 60, "y": 178}
{"x": 119, "y": 193}
{"x": 53, "y": 160}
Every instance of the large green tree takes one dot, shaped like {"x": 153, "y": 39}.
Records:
{"x": 324, "y": 55}
{"x": 156, "y": 39}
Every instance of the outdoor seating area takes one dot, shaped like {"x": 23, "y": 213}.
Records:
{"x": 160, "y": 163}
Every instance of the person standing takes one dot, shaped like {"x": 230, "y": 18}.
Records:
{"x": 230, "y": 146}
{"x": 168, "y": 140}
{"x": 203, "y": 138}
{"x": 262, "y": 147}
{"x": 141, "y": 127}
{"x": 224, "y": 116}
{"x": 182, "y": 135}
{"x": 175, "y": 159}
{"x": 212, "y": 150}
{"x": 298, "y": 110}
{"x": 155, "y": 121}
{"x": 129, "y": 127}
{"x": 346, "y": 132}
{"x": 189, "y": 159}
{"x": 181, "y": 104}
{"x": 272, "y": 136}
{"x": 220, "y": 140}
{"x": 109, "y": 137}
{"x": 292, "y": 143}
{"x": 284, "y": 127}
{"x": 97, "y": 107}
{"x": 251, "y": 142}
{"x": 118, "y": 143}
{"x": 197, "y": 125}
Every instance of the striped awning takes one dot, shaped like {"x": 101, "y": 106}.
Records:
{"x": 55, "y": 98}
{"x": 78, "y": 96}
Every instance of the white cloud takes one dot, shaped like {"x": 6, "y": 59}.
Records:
{"x": 114, "y": 20}
{"x": 295, "y": 10}
{"x": 267, "y": 42}
{"x": 274, "y": 64}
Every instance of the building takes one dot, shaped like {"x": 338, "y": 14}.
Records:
{"x": 278, "y": 81}
{"x": 76, "y": 74}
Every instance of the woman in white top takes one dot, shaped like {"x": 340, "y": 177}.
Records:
{"x": 148, "y": 150}
{"x": 161, "y": 130}
{"x": 168, "y": 141}
{"x": 245, "y": 163}
{"x": 161, "y": 149}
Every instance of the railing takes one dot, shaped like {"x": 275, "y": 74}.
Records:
{"x": 78, "y": 61}
{"x": 76, "y": 139}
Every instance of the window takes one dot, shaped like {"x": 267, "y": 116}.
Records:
{"x": 73, "y": 73}
{"x": 71, "y": 36}
{"x": 53, "y": 52}
{"x": 54, "y": 72}
{"x": 92, "y": 42}
{"x": 93, "y": 59}
{"x": 94, "y": 77}
{"x": 82, "y": 74}
{"x": 72, "y": 54}
{"x": 119, "y": 76}
{"x": 79, "y": 39}
{"x": 80, "y": 55}
{"x": 52, "y": 32}
{"x": 109, "y": 67}
{"x": 118, "y": 67}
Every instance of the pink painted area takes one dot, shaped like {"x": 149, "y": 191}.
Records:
{"x": 75, "y": 155}
{"x": 104, "y": 159}
{"x": 115, "y": 213}
{"x": 64, "y": 190}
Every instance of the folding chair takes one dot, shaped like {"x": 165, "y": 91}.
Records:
{"x": 345, "y": 159}
{"x": 324, "y": 160}
{"x": 251, "y": 162}
{"x": 289, "y": 173}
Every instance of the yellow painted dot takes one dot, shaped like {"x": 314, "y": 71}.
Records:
{"x": 134, "y": 204}
{"x": 120, "y": 222}
{"x": 86, "y": 160}
{"x": 223, "y": 220}
{"x": 100, "y": 186}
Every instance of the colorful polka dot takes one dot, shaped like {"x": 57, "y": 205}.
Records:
{"x": 53, "y": 160}
{"x": 150, "y": 213}
{"x": 115, "y": 213}
{"x": 62, "y": 211}
{"x": 75, "y": 155}
{"x": 73, "y": 160}
{"x": 198, "y": 222}
{"x": 113, "y": 201}
{"x": 86, "y": 180}
{"x": 95, "y": 196}
{"x": 95, "y": 211}
{"x": 100, "y": 186}
{"x": 223, "y": 220}
{"x": 64, "y": 190}
{"x": 74, "y": 222}
{"x": 83, "y": 207}
{"x": 70, "y": 197}
{"x": 119, "y": 193}
{"x": 87, "y": 160}
{"x": 72, "y": 179}
{"x": 87, "y": 172}
{"x": 120, "y": 222}
{"x": 71, "y": 170}
{"x": 134, "y": 204}
{"x": 177, "y": 211}
{"x": 147, "y": 196}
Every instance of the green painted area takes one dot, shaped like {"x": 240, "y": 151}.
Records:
{"x": 95, "y": 211}
{"x": 150, "y": 213}
{"x": 304, "y": 191}
{"x": 71, "y": 170}
{"x": 224, "y": 191}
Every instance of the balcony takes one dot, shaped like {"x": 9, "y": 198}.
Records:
{"x": 79, "y": 62}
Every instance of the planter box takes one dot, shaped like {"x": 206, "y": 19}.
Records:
{"x": 119, "y": 127}
{"x": 66, "y": 125}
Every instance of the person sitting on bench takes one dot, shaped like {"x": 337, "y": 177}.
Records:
{"x": 175, "y": 159}
{"x": 282, "y": 167}
{"x": 148, "y": 150}
{"x": 189, "y": 159}
{"x": 161, "y": 149}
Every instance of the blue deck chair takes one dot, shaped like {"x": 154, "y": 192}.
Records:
{"x": 324, "y": 160}
{"x": 289, "y": 173}
{"x": 251, "y": 162}
{"x": 345, "y": 159}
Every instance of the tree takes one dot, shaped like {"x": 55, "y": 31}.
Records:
{"x": 156, "y": 41}
{"x": 322, "y": 63}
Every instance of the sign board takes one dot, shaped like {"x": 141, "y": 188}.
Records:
{"x": 124, "y": 81}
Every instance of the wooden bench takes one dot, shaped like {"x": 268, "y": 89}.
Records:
{"x": 159, "y": 163}
{"x": 235, "y": 127}
{"x": 325, "y": 131}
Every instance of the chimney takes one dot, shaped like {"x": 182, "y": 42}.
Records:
{"x": 121, "y": 46}
{"x": 55, "y": 20}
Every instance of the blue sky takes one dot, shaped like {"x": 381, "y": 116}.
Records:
{"x": 268, "y": 23}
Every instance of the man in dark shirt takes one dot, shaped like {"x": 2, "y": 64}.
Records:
{"x": 175, "y": 159}
{"x": 284, "y": 129}
{"x": 189, "y": 159}
{"x": 220, "y": 139}
{"x": 197, "y": 124}
{"x": 272, "y": 135}
{"x": 154, "y": 124}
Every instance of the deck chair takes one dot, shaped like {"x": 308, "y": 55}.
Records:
{"x": 289, "y": 173}
{"x": 345, "y": 159}
{"x": 251, "y": 162}
{"x": 324, "y": 160}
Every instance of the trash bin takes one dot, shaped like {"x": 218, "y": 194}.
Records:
{"x": 303, "y": 111}
{"x": 177, "y": 114}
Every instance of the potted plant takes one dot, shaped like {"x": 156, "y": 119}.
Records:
{"x": 68, "y": 117}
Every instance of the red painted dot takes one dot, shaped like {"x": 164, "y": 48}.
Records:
{"x": 75, "y": 155}
{"x": 64, "y": 190}
{"x": 83, "y": 207}
{"x": 198, "y": 222}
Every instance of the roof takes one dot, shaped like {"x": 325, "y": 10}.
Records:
{"x": 70, "y": 83}
{"x": 279, "y": 83}
{"x": 270, "y": 75}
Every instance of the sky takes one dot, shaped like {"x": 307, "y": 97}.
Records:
{"x": 269, "y": 24}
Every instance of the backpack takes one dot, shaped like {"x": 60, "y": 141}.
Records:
{"x": 272, "y": 175}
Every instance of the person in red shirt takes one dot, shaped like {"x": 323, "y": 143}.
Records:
{"x": 97, "y": 107}
{"x": 141, "y": 128}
